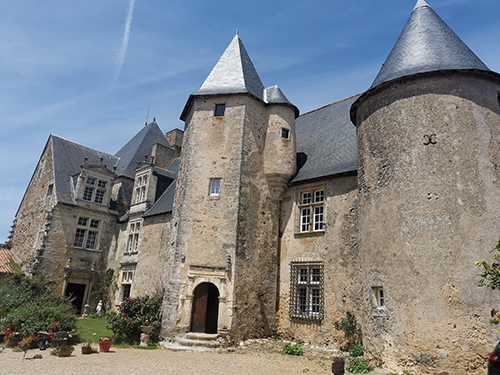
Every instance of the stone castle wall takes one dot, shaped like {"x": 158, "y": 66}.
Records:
{"x": 429, "y": 197}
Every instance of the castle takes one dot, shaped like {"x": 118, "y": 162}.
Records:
{"x": 257, "y": 218}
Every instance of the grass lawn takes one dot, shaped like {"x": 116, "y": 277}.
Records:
{"x": 91, "y": 329}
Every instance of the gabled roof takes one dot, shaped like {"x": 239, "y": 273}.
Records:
{"x": 141, "y": 144}
{"x": 68, "y": 157}
{"x": 426, "y": 44}
{"x": 326, "y": 141}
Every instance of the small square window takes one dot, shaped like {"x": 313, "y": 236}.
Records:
{"x": 220, "y": 109}
{"x": 285, "y": 133}
{"x": 214, "y": 187}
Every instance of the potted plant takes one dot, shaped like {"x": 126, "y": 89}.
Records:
{"x": 26, "y": 343}
{"x": 338, "y": 365}
{"x": 146, "y": 328}
{"x": 105, "y": 343}
{"x": 87, "y": 348}
{"x": 63, "y": 350}
{"x": 11, "y": 327}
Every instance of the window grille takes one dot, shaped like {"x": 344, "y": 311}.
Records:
{"x": 307, "y": 290}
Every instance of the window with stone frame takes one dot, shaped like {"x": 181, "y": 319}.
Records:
{"x": 312, "y": 211}
{"x": 87, "y": 233}
{"x": 307, "y": 289}
{"x": 95, "y": 190}
{"x": 378, "y": 299}
{"x": 134, "y": 229}
{"x": 215, "y": 187}
{"x": 126, "y": 283}
{"x": 141, "y": 188}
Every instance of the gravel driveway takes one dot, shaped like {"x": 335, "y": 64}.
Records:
{"x": 135, "y": 361}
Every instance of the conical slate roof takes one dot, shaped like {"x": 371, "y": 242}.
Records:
{"x": 426, "y": 44}
{"x": 234, "y": 73}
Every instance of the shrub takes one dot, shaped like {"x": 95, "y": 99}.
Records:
{"x": 293, "y": 349}
{"x": 31, "y": 304}
{"x": 358, "y": 366}
{"x": 356, "y": 350}
{"x": 135, "y": 312}
{"x": 352, "y": 330}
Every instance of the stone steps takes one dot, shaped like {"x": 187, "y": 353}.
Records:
{"x": 192, "y": 341}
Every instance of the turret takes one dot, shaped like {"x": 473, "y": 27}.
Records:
{"x": 429, "y": 197}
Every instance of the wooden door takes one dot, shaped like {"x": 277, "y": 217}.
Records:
{"x": 199, "y": 314}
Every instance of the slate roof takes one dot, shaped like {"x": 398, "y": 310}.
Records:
{"x": 68, "y": 157}
{"x": 165, "y": 202}
{"x": 426, "y": 44}
{"x": 235, "y": 73}
{"x": 326, "y": 141}
{"x": 141, "y": 144}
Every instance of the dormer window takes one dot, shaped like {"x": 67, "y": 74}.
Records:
{"x": 220, "y": 110}
{"x": 141, "y": 189}
{"x": 95, "y": 190}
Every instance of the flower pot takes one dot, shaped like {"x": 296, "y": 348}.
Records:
{"x": 86, "y": 350}
{"x": 146, "y": 329}
{"x": 104, "y": 346}
{"x": 338, "y": 368}
{"x": 64, "y": 354}
{"x": 15, "y": 339}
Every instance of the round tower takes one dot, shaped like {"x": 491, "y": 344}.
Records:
{"x": 428, "y": 132}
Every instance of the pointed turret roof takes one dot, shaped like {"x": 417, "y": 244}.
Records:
{"x": 140, "y": 145}
{"x": 426, "y": 44}
{"x": 234, "y": 73}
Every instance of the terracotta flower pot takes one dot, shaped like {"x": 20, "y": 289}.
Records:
{"x": 64, "y": 354}
{"x": 104, "y": 346}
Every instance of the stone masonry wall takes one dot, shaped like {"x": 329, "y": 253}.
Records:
{"x": 336, "y": 247}
{"x": 429, "y": 197}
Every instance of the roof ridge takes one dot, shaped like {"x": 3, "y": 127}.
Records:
{"x": 327, "y": 105}
{"x": 79, "y": 144}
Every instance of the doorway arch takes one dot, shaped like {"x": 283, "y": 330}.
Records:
{"x": 205, "y": 313}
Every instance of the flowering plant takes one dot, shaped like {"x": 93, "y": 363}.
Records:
{"x": 338, "y": 360}
{"x": 276, "y": 334}
{"x": 105, "y": 338}
{"x": 53, "y": 326}
{"x": 11, "y": 327}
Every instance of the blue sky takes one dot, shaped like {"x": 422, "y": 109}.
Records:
{"x": 89, "y": 70}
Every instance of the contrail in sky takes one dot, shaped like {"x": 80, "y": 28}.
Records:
{"x": 120, "y": 56}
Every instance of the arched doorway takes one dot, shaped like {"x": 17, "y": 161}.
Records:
{"x": 205, "y": 312}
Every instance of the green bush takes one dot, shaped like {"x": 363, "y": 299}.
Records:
{"x": 31, "y": 305}
{"x": 358, "y": 366}
{"x": 356, "y": 350}
{"x": 352, "y": 330}
{"x": 135, "y": 312}
{"x": 293, "y": 349}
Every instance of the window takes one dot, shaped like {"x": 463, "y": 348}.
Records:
{"x": 312, "y": 211}
{"x": 126, "y": 283}
{"x": 94, "y": 190}
{"x": 306, "y": 283}
{"x": 285, "y": 133}
{"x": 133, "y": 237}
{"x": 86, "y": 233}
{"x": 220, "y": 109}
{"x": 378, "y": 298}
{"x": 50, "y": 188}
{"x": 141, "y": 189}
{"x": 215, "y": 187}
